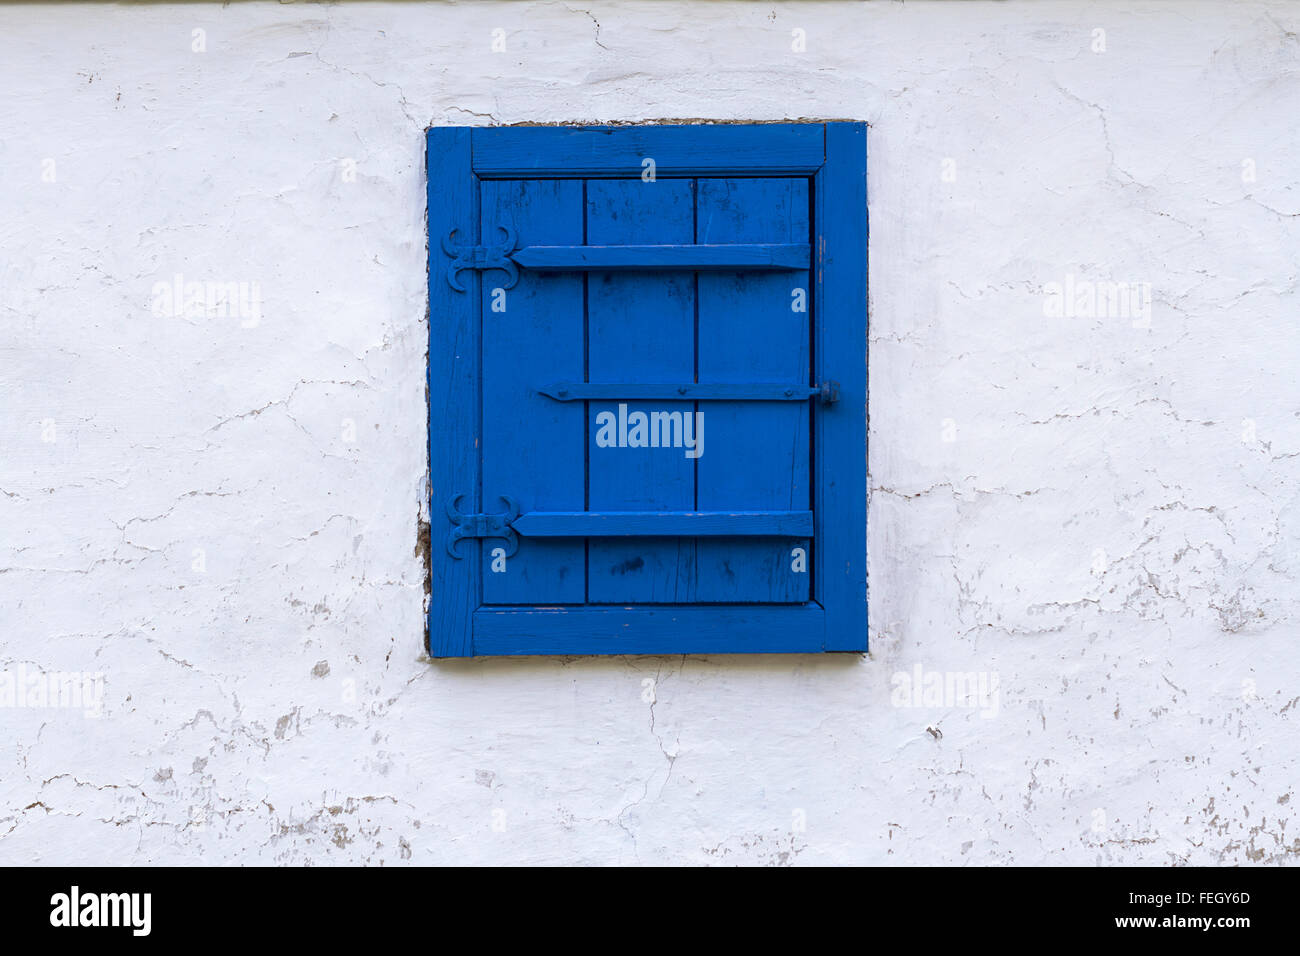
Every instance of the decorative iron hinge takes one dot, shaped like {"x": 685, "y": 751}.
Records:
{"x": 829, "y": 392}
{"x": 481, "y": 257}
{"x": 482, "y": 525}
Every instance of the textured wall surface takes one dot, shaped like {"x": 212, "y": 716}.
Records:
{"x": 1084, "y": 450}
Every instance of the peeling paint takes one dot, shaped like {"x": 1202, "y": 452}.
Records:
{"x": 214, "y": 514}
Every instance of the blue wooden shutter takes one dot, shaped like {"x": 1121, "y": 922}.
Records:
{"x": 647, "y": 392}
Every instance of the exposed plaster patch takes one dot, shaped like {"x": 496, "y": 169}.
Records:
{"x": 1112, "y": 527}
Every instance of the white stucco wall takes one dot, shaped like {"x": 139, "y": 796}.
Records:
{"x": 219, "y": 515}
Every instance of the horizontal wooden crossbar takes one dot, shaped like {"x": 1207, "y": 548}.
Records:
{"x": 691, "y": 524}
{"x": 786, "y": 149}
{"x": 649, "y": 629}
{"x": 782, "y": 257}
{"x": 694, "y": 391}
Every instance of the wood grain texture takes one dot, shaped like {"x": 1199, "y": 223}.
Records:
{"x": 533, "y": 448}
{"x": 700, "y": 258}
{"x": 644, "y": 339}
{"x": 539, "y": 151}
{"x": 693, "y": 391}
{"x": 641, "y": 328}
{"x": 840, "y": 498}
{"x": 754, "y": 327}
{"x": 665, "y": 629}
{"x": 597, "y": 524}
{"x": 453, "y": 389}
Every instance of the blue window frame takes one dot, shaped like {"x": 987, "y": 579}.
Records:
{"x": 647, "y": 388}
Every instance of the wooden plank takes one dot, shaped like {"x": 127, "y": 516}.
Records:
{"x": 533, "y": 449}
{"x": 712, "y": 392}
{"x": 607, "y": 524}
{"x": 732, "y": 257}
{"x": 778, "y": 149}
{"x": 640, "y": 329}
{"x": 452, "y": 389}
{"x": 663, "y": 629}
{"x": 840, "y": 507}
{"x": 754, "y": 326}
